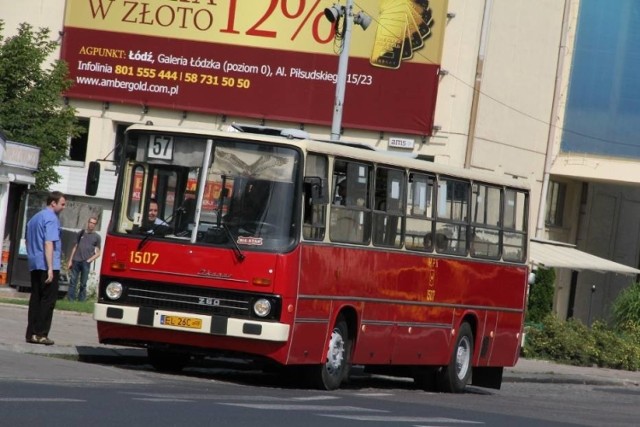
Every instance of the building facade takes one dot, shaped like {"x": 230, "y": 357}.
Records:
{"x": 514, "y": 96}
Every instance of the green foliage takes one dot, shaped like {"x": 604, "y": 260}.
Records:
{"x": 31, "y": 88}
{"x": 573, "y": 343}
{"x": 79, "y": 306}
{"x": 61, "y": 304}
{"x": 626, "y": 307}
{"x": 541, "y": 293}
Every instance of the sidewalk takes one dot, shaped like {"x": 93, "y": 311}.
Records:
{"x": 76, "y": 337}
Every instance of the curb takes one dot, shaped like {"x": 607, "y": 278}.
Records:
{"x": 561, "y": 379}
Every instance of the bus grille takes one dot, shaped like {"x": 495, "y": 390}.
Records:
{"x": 195, "y": 300}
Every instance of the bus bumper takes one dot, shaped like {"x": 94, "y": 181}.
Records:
{"x": 190, "y": 322}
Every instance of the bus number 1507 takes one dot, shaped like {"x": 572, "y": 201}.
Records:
{"x": 149, "y": 258}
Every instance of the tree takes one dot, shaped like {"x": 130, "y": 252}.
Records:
{"x": 31, "y": 89}
{"x": 626, "y": 307}
{"x": 541, "y": 295}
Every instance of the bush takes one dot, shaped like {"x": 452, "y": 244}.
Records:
{"x": 564, "y": 342}
{"x": 573, "y": 343}
{"x": 540, "y": 304}
{"x": 626, "y": 307}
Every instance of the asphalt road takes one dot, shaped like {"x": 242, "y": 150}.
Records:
{"x": 118, "y": 387}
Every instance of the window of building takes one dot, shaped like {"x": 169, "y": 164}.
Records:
{"x": 119, "y": 142}
{"x": 78, "y": 144}
{"x": 555, "y": 203}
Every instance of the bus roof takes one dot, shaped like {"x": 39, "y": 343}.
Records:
{"x": 352, "y": 150}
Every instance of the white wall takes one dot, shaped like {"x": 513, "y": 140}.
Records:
{"x": 514, "y": 106}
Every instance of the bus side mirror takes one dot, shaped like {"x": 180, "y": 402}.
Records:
{"x": 316, "y": 188}
{"x": 93, "y": 179}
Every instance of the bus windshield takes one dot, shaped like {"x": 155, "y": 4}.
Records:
{"x": 209, "y": 192}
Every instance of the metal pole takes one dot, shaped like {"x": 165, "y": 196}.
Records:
{"x": 336, "y": 124}
{"x": 593, "y": 290}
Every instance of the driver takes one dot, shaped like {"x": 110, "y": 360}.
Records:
{"x": 154, "y": 224}
{"x": 153, "y": 214}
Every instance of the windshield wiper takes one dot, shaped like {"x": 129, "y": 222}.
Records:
{"x": 236, "y": 249}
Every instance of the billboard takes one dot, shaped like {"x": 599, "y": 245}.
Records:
{"x": 269, "y": 59}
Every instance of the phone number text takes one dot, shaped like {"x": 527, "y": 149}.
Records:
{"x": 182, "y": 76}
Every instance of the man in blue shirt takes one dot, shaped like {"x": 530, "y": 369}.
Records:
{"x": 43, "y": 251}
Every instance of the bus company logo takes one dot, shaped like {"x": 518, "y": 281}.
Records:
{"x": 213, "y": 274}
{"x": 253, "y": 241}
{"x": 214, "y": 302}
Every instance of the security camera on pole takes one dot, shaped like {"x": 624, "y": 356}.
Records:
{"x": 333, "y": 14}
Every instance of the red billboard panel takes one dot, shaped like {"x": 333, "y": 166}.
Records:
{"x": 271, "y": 59}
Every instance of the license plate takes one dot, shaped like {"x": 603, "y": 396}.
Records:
{"x": 181, "y": 322}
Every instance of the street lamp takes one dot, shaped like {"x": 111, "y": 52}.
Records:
{"x": 593, "y": 290}
{"x": 333, "y": 14}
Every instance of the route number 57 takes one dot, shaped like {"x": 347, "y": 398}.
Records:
{"x": 160, "y": 147}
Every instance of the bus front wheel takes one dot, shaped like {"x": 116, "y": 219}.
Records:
{"x": 455, "y": 377}
{"x": 164, "y": 360}
{"x": 330, "y": 375}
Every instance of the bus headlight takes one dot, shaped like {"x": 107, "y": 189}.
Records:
{"x": 113, "y": 290}
{"x": 262, "y": 307}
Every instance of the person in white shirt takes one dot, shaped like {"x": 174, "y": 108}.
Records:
{"x": 153, "y": 214}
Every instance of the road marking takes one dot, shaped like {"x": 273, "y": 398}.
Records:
{"x": 162, "y": 400}
{"x": 250, "y": 398}
{"x": 283, "y": 407}
{"x": 400, "y": 419}
{"x": 38, "y": 399}
{"x": 300, "y": 399}
{"x": 373, "y": 394}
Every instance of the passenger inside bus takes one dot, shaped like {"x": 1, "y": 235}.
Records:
{"x": 442, "y": 242}
{"x": 341, "y": 193}
{"x": 428, "y": 241}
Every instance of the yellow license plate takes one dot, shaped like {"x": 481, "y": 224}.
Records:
{"x": 181, "y": 322}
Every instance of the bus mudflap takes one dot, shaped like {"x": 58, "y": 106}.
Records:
{"x": 488, "y": 377}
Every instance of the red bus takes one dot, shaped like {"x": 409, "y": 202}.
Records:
{"x": 319, "y": 255}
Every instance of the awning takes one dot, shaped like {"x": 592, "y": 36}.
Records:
{"x": 547, "y": 253}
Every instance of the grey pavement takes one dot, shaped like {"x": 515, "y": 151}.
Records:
{"x": 76, "y": 337}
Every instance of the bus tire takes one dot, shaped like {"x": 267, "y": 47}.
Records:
{"x": 335, "y": 370}
{"x": 455, "y": 377}
{"x": 166, "y": 360}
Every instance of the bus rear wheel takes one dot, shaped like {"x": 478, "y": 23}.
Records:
{"x": 164, "y": 360}
{"x": 455, "y": 377}
{"x": 330, "y": 375}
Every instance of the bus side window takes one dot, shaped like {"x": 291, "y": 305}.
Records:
{"x": 136, "y": 187}
{"x": 419, "y": 213}
{"x": 388, "y": 207}
{"x": 351, "y": 221}
{"x": 314, "y": 213}
{"x": 515, "y": 225}
{"x": 486, "y": 206}
{"x": 453, "y": 216}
